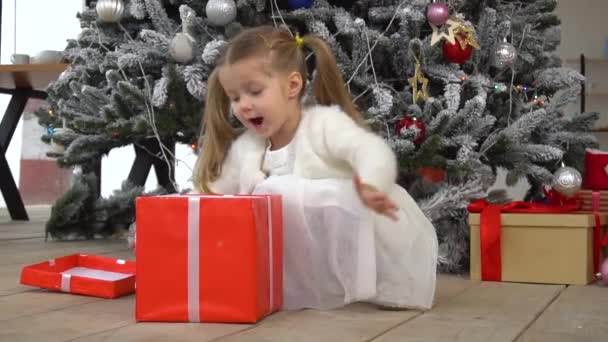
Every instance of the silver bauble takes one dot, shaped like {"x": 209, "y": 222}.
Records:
{"x": 567, "y": 181}
{"x": 181, "y": 48}
{"x": 220, "y": 12}
{"x": 110, "y": 10}
{"x": 505, "y": 55}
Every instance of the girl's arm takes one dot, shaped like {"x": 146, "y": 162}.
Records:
{"x": 367, "y": 153}
{"x": 228, "y": 182}
{"x": 241, "y": 170}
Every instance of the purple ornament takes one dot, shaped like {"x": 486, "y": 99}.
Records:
{"x": 295, "y": 4}
{"x": 437, "y": 13}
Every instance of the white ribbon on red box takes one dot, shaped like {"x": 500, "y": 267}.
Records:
{"x": 65, "y": 282}
{"x": 194, "y": 260}
{"x": 65, "y": 279}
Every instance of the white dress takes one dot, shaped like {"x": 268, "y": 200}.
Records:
{"x": 337, "y": 251}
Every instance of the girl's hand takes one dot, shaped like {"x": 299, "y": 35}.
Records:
{"x": 375, "y": 200}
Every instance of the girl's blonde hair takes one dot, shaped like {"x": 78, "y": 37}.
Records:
{"x": 286, "y": 54}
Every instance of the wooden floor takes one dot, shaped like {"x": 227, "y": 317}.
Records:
{"x": 464, "y": 311}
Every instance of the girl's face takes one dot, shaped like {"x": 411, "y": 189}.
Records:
{"x": 263, "y": 100}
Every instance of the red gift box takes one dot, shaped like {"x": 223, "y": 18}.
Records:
{"x": 84, "y": 274}
{"x": 209, "y": 258}
{"x": 596, "y": 170}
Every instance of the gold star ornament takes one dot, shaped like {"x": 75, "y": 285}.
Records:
{"x": 415, "y": 81}
{"x": 465, "y": 35}
{"x": 448, "y": 35}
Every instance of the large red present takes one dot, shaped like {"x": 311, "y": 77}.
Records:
{"x": 209, "y": 258}
{"x": 596, "y": 170}
{"x": 84, "y": 274}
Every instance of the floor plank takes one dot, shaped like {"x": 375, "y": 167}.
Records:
{"x": 580, "y": 313}
{"x": 26, "y": 233}
{"x": 21, "y": 230}
{"x": 9, "y": 280}
{"x": 174, "y": 332}
{"x": 356, "y": 322}
{"x": 39, "y": 301}
{"x": 37, "y": 214}
{"x": 485, "y": 312}
{"x": 450, "y": 285}
{"x": 69, "y": 323}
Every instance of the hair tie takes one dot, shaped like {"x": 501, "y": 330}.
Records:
{"x": 299, "y": 41}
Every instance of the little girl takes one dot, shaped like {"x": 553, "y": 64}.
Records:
{"x": 350, "y": 233}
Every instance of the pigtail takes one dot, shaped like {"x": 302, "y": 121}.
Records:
{"x": 218, "y": 135}
{"x": 328, "y": 85}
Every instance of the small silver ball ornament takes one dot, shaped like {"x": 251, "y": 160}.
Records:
{"x": 505, "y": 55}
{"x": 110, "y": 11}
{"x": 220, "y": 12}
{"x": 567, "y": 181}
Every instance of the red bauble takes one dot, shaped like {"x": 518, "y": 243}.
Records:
{"x": 454, "y": 53}
{"x": 432, "y": 174}
{"x": 408, "y": 122}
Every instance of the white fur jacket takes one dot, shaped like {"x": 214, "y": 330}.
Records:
{"x": 328, "y": 144}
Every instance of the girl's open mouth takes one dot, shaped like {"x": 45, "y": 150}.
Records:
{"x": 257, "y": 121}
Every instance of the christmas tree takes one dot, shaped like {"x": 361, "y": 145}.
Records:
{"x": 458, "y": 88}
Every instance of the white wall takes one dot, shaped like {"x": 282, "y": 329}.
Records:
{"x": 584, "y": 28}
{"x": 46, "y": 25}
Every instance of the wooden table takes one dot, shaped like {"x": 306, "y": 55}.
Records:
{"x": 22, "y": 81}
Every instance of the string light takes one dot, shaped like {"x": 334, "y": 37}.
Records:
{"x": 523, "y": 88}
{"x": 500, "y": 87}
{"x": 541, "y": 100}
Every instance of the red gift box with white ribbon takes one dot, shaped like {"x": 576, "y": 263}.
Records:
{"x": 83, "y": 274}
{"x": 204, "y": 258}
